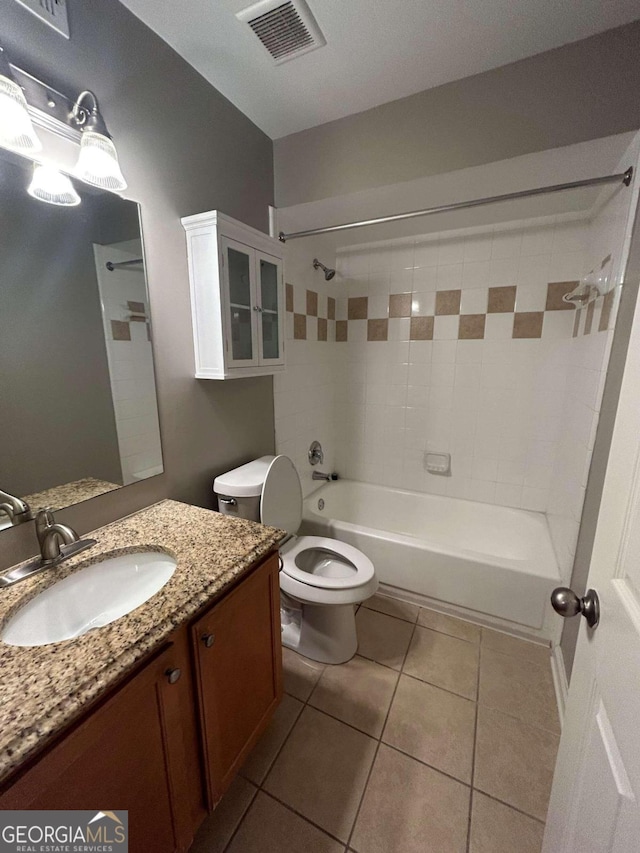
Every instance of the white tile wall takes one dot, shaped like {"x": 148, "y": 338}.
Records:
{"x": 586, "y": 373}
{"x": 130, "y": 366}
{"x": 494, "y": 404}
{"x": 305, "y": 393}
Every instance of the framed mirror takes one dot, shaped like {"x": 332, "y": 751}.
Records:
{"x": 78, "y": 408}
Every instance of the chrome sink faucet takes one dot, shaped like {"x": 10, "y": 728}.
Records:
{"x": 51, "y": 535}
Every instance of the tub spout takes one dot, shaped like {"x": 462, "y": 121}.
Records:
{"x": 318, "y": 475}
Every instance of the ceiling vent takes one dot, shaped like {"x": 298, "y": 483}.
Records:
{"x": 285, "y": 29}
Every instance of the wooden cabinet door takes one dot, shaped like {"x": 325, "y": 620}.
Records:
{"x": 238, "y": 658}
{"x": 137, "y": 751}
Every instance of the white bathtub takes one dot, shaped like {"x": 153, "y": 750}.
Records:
{"x": 490, "y": 559}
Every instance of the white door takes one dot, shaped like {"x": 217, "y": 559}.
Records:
{"x": 594, "y": 805}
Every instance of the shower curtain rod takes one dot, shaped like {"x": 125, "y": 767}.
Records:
{"x": 625, "y": 177}
{"x": 111, "y": 266}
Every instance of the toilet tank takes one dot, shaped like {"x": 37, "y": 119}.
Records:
{"x": 239, "y": 491}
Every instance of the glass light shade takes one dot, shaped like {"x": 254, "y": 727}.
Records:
{"x": 98, "y": 162}
{"x": 52, "y": 186}
{"x": 16, "y": 128}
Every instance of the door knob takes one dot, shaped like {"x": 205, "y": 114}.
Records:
{"x": 208, "y": 640}
{"x": 566, "y": 603}
{"x": 173, "y": 675}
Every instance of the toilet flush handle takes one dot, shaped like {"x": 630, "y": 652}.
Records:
{"x": 228, "y": 501}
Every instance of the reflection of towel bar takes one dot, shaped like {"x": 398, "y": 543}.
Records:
{"x": 111, "y": 266}
{"x": 137, "y": 318}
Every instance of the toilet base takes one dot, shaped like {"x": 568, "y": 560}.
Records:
{"x": 325, "y": 633}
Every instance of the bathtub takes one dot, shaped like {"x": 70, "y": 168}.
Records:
{"x": 496, "y": 561}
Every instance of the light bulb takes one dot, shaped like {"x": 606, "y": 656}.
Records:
{"x": 52, "y": 186}
{"x": 16, "y": 128}
{"x": 98, "y": 162}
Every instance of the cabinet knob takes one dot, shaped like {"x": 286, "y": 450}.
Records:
{"x": 173, "y": 674}
{"x": 208, "y": 640}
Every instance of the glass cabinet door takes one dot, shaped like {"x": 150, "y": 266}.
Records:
{"x": 271, "y": 318}
{"x": 242, "y": 312}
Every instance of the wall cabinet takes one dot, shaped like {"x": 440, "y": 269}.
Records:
{"x": 237, "y": 297}
{"x": 143, "y": 748}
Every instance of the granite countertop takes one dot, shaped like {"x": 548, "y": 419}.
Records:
{"x": 59, "y": 497}
{"x": 43, "y": 688}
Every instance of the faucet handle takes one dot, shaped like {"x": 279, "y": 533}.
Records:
{"x": 44, "y": 519}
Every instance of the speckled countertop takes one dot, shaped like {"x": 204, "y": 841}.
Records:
{"x": 43, "y": 688}
{"x": 59, "y": 497}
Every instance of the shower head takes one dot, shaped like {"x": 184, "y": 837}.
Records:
{"x": 328, "y": 273}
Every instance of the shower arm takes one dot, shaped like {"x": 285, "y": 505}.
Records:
{"x": 620, "y": 177}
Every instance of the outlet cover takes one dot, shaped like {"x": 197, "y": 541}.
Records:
{"x": 52, "y": 12}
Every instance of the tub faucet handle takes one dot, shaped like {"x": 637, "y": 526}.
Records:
{"x": 316, "y": 454}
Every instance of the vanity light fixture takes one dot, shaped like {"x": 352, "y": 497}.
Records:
{"x": 16, "y": 128}
{"x": 52, "y": 186}
{"x": 98, "y": 159}
{"x": 26, "y": 103}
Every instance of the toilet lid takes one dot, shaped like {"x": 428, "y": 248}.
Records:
{"x": 281, "y": 501}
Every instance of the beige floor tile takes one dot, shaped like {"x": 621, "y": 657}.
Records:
{"x": 270, "y": 827}
{"x": 525, "y": 692}
{"x": 358, "y": 692}
{"x": 322, "y": 770}
{"x": 434, "y": 726}
{"x": 214, "y": 834}
{"x": 393, "y": 607}
{"x": 449, "y": 625}
{"x": 259, "y": 761}
{"x": 514, "y": 761}
{"x": 382, "y": 638}
{"x": 496, "y": 828}
{"x": 410, "y": 808}
{"x": 444, "y": 661}
{"x": 534, "y": 652}
{"x": 300, "y": 674}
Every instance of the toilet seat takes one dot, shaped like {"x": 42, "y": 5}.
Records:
{"x": 309, "y": 588}
{"x": 350, "y": 567}
{"x": 315, "y": 569}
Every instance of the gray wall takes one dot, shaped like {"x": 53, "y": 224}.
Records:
{"x": 602, "y": 445}
{"x": 575, "y": 93}
{"x": 184, "y": 149}
{"x": 56, "y": 418}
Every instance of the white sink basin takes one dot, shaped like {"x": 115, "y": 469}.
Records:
{"x": 89, "y": 598}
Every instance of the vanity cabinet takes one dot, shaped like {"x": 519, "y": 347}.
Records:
{"x": 238, "y": 655}
{"x": 199, "y": 703}
{"x": 237, "y": 297}
{"x": 138, "y": 750}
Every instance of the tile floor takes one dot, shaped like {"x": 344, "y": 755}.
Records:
{"x": 438, "y": 737}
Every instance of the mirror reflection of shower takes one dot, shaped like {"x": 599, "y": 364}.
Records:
{"x": 328, "y": 273}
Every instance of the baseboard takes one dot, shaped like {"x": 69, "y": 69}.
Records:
{"x": 523, "y": 632}
{"x": 560, "y": 681}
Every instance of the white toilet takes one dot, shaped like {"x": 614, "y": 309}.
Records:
{"x": 320, "y": 579}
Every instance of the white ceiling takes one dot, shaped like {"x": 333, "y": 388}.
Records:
{"x": 376, "y": 51}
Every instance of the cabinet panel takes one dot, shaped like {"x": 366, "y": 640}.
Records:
{"x": 121, "y": 757}
{"x": 239, "y": 672}
{"x": 271, "y": 309}
{"x": 240, "y": 304}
